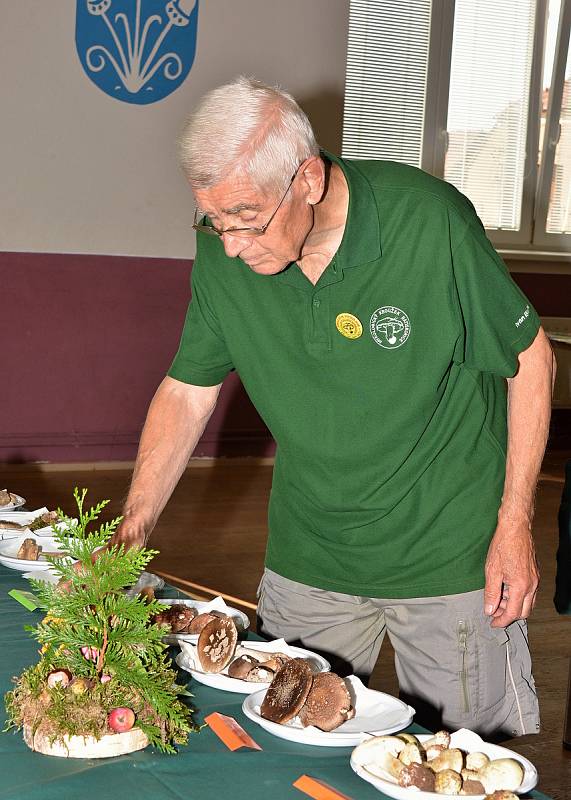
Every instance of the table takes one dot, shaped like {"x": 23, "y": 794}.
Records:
{"x": 203, "y": 770}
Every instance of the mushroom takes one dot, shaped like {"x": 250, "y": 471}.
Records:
{"x": 275, "y": 661}
{"x": 198, "y": 623}
{"x": 502, "y": 773}
{"x": 408, "y": 738}
{"x": 287, "y": 691}
{"x": 417, "y": 775}
{"x": 328, "y": 704}
{"x": 59, "y": 677}
{"x": 476, "y": 760}
{"x": 441, "y": 738}
{"x": 501, "y": 795}
{"x": 448, "y": 759}
{"x": 260, "y": 673}
{"x": 410, "y": 754}
{"x": 241, "y": 666}
{"x": 447, "y": 782}
{"x": 379, "y": 756}
{"x": 29, "y": 550}
{"x": 216, "y": 644}
{"x": 471, "y": 787}
{"x": 434, "y": 750}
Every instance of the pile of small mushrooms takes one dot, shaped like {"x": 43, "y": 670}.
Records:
{"x": 433, "y": 766}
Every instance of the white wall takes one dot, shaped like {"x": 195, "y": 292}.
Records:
{"x": 81, "y": 172}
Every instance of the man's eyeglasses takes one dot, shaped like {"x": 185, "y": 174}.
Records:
{"x": 245, "y": 232}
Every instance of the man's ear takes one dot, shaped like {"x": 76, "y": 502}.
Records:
{"x": 312, "y": 179}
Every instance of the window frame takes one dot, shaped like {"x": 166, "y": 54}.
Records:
{"x": 531, "y": 240}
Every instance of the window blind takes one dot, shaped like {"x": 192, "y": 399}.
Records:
{"x": 559, "y": 215}
{"x": 387, "y": 58}
{"x": 489, "y": 104}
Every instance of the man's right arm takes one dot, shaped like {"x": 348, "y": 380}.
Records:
{"x": 175, "y": 421}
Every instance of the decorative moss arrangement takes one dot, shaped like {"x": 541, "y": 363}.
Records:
{"x": 103, "y": 666}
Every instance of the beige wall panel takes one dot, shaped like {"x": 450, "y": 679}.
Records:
{"x": 84, "y": 173}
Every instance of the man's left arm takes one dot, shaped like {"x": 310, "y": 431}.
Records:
{"x": 512, "y": 575}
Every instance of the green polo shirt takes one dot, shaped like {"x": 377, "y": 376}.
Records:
{"x": 391, "y": 445}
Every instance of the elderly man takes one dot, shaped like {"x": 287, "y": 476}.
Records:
{"x": 374, "y": 327}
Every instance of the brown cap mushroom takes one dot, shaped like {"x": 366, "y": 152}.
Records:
{"x": 470, "y": 786}
{"x": 29, "y": 550}
{"x": 261, "y": 673}
{"x": 328, "y": 703}
{"x": 200, "y": 621}
{"x": 417, "y": 775}
{"x": 216, "y": 644}
{"x": 287, "y": 692}
{"x": 241, "y": 666}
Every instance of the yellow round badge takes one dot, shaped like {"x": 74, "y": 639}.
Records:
{"x": 349, "y": 326}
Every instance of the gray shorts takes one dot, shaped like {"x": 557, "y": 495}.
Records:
{"x": 452, "y": 666}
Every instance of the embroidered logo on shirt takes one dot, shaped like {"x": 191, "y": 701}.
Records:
{"x": 390, "y": 327}
{"x": 348, "y": 325}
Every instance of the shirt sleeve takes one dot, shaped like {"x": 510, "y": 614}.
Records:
{"x": 202, "y": 358}
{"x": 499, "y": 321}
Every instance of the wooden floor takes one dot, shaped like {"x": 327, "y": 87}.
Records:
{"x": 213, "y": 533}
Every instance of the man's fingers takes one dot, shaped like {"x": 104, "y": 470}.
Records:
{"x": 492, "y": 594}
{"x": 519, "y": 606}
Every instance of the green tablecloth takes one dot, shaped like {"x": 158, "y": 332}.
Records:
{"x": 203, "y": 770}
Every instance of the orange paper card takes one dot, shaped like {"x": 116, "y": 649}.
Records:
{"x": 232, "y": 734}
{"x": 318, "y": 790}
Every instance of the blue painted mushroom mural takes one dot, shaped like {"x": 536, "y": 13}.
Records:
{"x": 137, "y": 51}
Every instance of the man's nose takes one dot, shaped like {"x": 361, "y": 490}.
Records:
{"x": 234, "y": 245}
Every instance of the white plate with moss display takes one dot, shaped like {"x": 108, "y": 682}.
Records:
{"x": 13, "y": 523}
{"x": 9, "y": 553}
{"x": 465, "y": 740}
{"x": 375, "y": 712}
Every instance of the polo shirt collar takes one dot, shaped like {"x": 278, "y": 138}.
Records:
{"x": 361, "y": 241}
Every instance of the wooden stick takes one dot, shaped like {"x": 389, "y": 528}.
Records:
{"x": 206, "y": 589}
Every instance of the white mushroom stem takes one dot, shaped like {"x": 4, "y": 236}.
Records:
{"x": 379, "y": 756}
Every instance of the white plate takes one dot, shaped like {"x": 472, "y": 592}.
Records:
{"x": 375, "y": 712}
{"x": 44, "y": 575}
{"x": 465, "y": 740}
{"x": 240, "y": 619}
{"x": 25, "y": 518}
{"x": 218, "y": 680}
{"x": 9, "y": 551}
{"x": 11, "y": 506}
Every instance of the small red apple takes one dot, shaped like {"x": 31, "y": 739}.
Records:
{"x": 121, "y": 719}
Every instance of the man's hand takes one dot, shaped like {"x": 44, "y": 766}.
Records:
{"x": 130, "y": 532}
{"x": 512, "y": 575}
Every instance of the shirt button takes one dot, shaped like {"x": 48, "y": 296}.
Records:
{"x": 316, "y": 302}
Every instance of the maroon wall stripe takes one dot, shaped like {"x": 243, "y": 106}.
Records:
{"x": 85, "y": 341}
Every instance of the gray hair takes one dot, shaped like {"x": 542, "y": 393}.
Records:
{"x": 246, "y": 127}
